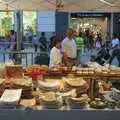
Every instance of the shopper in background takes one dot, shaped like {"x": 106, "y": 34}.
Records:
{"x": 98, "y": 41}
{"x": 69, "y": 48}
{"x": 52, "y": 40}
{"x": 13, "y": 44}
{"x": 115, "y": 45}
{"x": 91, "y": 41}
{"x": 63, "y": 36}
{"x": 115, "y": 41}
{"x": 43, "y": 42}
{"x": 80, "y": 45}
{"x": 108, "y": 41}
{"x": 86, "y": 39}
{"x": 55, "y": 54}
{"x": 12, "y": 38}
{"x": 102, "y": 55}
{"x": 115, "y": 54}
{"x": 35, "y": 42}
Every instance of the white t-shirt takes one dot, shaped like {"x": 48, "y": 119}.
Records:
{"x": 55, "y": 57}
{"x": 115, "y": 42}
{"x": 70, "y": 47}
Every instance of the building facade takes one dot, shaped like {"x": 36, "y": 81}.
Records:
{"x": 59, "y": 22}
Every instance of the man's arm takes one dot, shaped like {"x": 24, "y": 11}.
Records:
{"x": 65, "y": 56}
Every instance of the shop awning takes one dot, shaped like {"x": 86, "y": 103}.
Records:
{"x": 68, "y": 5}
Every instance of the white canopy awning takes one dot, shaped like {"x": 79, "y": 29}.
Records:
{"x": 69, "y": 5}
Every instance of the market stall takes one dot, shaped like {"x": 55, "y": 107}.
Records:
{"x": 67, "y": 92}
{"x": 62, "y": 88}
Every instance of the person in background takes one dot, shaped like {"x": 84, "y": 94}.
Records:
{"x": 102, "y": 56}
{"x": 63, "y": 35}
{"x": 69, "y": 49}
{"x": 35, "y": 42}
{"x": 12, "y": 38}
{"x": 115, "y": 41}
{"x": 91, "y": 41}
{"x": 115, "y": 54}
{"x": 80, "y": 45}
{"x": 86, "y": 39}
{"x": 52, "y": 40}
{"x": 115, "y": 45}
{"x": 13, "y": 44}
{"x": 55, "y": 54}
{"x": 108, "y": 41}
{"x": 98, "y": 41}
{"x": 43, "y": 41}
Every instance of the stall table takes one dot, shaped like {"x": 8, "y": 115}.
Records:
{"x": 60, "y": 115}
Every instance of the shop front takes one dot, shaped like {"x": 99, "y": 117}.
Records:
{"x": 97, "y": 23}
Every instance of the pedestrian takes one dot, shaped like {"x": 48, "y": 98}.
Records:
{"x": 98, "y": 41}
{"x": 69, "y": 48}
{"x": 91, "y": 41}
{"x": 52, "y": 40}
{"x": 35, "y": 42}
{"x": 102, "y": 56}
{"x": 43, "y": 42}
{"x": 115, "y": 44}
{"x": 80, "y": 45}
{"x": 115, "y": 54}
{"x": 55, "y": 54}
{"x": 13, "y": 44}
{"x": 63, "y": 35}
{"x": 87, "y": 32}
{"x": 115, "y": 41}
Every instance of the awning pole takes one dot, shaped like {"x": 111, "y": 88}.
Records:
{"x": 19, "y": 34}
{"x": 19, "y": 25}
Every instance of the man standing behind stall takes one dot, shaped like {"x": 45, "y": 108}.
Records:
{"x": 69, "y": 48}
